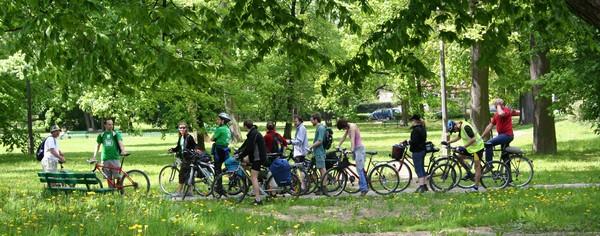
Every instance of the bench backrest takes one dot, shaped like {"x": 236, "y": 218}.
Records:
{"x": 68, "y": 177}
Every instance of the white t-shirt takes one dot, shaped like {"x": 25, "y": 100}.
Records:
{"x": 50, "y": 143}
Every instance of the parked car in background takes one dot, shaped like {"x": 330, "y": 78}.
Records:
{"x": 385, "y": 113}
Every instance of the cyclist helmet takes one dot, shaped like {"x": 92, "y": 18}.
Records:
{"x": 450, "y": 126}
{"x": 224, "y": 116}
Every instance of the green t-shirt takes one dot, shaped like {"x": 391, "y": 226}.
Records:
{"x": 109, "y": 147}
{"x": 222, "y": 135}
{"x": 320, "y": 136}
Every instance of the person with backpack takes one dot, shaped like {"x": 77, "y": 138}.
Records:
{"x": 358, "y": 151}
{"x": 52, "y": 155}
{"x": 254, "y": 148}
{"x": 317, "y": 147}
{"x": 220, "y": 147}
{"x": 112, "y": 150}
{"x": 185, "y": 145}
{"x": 274, "y": 142}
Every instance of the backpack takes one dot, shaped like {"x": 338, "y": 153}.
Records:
{"x": 39, "y": 154}
{"x": 276, "y": 148}
{"x": 328, "y": 139}
{"x": 281, "y": 171}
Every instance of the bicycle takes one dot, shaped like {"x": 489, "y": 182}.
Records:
{"x": 441, "y": 174}
{"x": 493, "y": 174}
{"x": 519, "y": 166}
{"x": 335, "y": 181}
{"x": 136, "y": 180}
{"x": 307, "y": 172}
{"x": 201, "y": 171}
{"x": 236, "y": 181}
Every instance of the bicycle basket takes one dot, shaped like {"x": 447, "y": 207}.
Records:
{"x": 429, "y": 147}
{"x": 398, "y": 151}
{"x": 330, "y": 159}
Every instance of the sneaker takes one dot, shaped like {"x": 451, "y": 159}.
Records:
{"x": 468, "y": 176}
{"x": 257, "y": 202}
{"x": 364, "y": 193}
{"x": 473, "y": 189}
{"x": 422, "y": 189}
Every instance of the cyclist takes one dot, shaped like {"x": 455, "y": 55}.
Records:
{"x": 300, "y": 144}
{"x": 473, "y": 146}
{"x": 185, "y": 142}
{"x": 112, "y": 149}
{"x": 274, "y": 142}
{"x": 254, "y": 148}
{"x": 220, "y": 147}
{"x": 502, "y": 119}
{"x": 317, "y": 146}
{"x": 358, "y": 151}
{"x": 418, "y": 137}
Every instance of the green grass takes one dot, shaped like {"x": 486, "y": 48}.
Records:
{"x": 25, "y": 209}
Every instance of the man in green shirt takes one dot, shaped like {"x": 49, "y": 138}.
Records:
{"x": 317, "y": 146}
{"x": 220, "y": 147}
{"x": 112, "y": 149}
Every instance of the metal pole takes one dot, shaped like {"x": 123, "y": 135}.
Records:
{"x": 443, "y": 90}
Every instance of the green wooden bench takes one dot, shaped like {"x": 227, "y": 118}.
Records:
{"x": 72, "y": 133}
{"x": 72, "y": 181}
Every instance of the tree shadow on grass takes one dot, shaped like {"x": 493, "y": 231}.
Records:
{"x": 574, "y": 150}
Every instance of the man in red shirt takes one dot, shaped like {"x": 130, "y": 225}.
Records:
{"x": 502, "y": 119}
{"x": 274, "y": 142}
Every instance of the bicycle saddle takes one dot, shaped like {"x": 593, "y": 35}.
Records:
{"x": 513, "y": 150}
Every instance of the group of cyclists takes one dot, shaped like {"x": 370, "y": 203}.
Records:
{"x": 256, "y": 148}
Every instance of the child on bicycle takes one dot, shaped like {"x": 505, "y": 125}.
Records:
{"x": 185, "y": 145}
{"x": 473, "y": 145}
{"x": 220, "y": 147}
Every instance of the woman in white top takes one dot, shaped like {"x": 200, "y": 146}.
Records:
{"x": 52, "y": 153}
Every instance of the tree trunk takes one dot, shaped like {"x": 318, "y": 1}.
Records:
{"x": 88, "y": 121}
{"x": 405, "y": 110}
{"x": 480, "y": 113}
{"x": 544, "y": 133}
{"x": 236, "y": 135}
{"x": 420, "y": 106}
{"x": 29, "y": 117}
{"x": 200, "y": 133}
{"x": 589, "y": 10}
{"x": 527, "y": 108}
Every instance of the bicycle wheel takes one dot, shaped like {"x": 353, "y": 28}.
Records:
{"x": 383, "y": 179}
{"x": 496, "y": 177}
{"x": 465, "y": 181}
{"x": 303, "y": 179}
{"x": 442, "y": 177}
{"x": 233, "y": 185}
{"x": 404, "y": 174}
{"x": 168, "y": 179}
{"x": 352, "y": 185}
{"x": 521, "y": 171}
{"x": 203, "y": 180}
{"x": 135, "y": 182}
{"x": 334, "y": 181}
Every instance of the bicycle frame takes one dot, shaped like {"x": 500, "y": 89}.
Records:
{"x": 111, "y": 183}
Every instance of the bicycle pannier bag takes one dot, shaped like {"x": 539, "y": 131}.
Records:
{"x": 281, "y": 171}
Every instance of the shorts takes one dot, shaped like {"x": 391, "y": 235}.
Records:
{"x": 255, "y": 165}
{"x": 50, "y": 164}
{"x": 114, "y": 172}
{"x": 319, "y": 161}
{"x": 476, "y": 155}
{"x": 299, "y": 159}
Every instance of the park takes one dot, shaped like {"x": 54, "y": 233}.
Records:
{"x": 89, "y": 86}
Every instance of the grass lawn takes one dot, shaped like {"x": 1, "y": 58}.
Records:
{"x": 26, "y": 210}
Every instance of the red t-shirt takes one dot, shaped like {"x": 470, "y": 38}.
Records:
{"x": 503, "y": 123}
{"x": 270, "y": 138}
